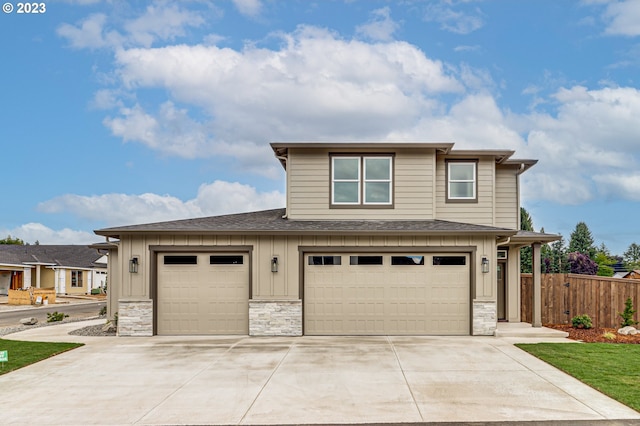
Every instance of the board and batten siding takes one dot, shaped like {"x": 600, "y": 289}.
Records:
{"x": 309, "y": 191}
{"x": 285, "y": 284}
{"x": 478, "y": 213}
{"x": 507, "y": 209}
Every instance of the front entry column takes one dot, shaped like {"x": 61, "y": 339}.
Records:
{"x": 536, "y": 306}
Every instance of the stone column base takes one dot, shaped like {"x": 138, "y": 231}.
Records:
{"x": 485, "y": 317}
{"x": 135, "y": 317}
{"x": 275, "y": 317}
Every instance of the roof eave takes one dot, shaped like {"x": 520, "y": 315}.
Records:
{"x": 496, "y": 232}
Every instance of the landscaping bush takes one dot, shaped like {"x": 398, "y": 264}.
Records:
{"x": 581, "y": 321}
{"x": 627, "y": 314}
{"x": 56, "y": 316}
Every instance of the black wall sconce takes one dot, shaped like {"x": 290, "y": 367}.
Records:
{"x": 133, "y": 265}
{"x": 485, "y": 264}
{"x": 274, "y": 264}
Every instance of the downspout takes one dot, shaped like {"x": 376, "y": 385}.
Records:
{"x": 284, "y": 159}
{"x": 507, "y": 241}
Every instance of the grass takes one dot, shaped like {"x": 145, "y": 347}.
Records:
{"x": 613, "y": 369}
{"x": 22, "y": 354}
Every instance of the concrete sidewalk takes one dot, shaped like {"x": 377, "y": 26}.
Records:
{"x": 304, "y": 380}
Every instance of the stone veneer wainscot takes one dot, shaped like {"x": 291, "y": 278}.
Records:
{"x": 484, "y": 317}
{"x": 275, "y": 318}
{"x": 135, "y": 318}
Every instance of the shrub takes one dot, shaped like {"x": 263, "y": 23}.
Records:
{"x": 582, "y": 264}
{"x": 581, "y": 321}
{"x": 103, "y": 311}
{"x": 609, "y": 335}
{"x": 56, "y": 316}
{"x": 627, "y": 314}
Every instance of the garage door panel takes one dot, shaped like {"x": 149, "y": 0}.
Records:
{"x": 417, "y": 294}
{"x": 202, "y": 298}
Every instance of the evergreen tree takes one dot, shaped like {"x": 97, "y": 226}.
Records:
{"x": 632, "y": 257}
{"x": 526, "y": 253}
{"x": 556, "y": 259}
{"x": 582, "y": 241}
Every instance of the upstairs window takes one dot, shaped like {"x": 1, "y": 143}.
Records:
{"x": 462, "y": 181}
{"x": 361, "y": 180}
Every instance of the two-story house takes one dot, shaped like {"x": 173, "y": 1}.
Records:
{"x": 375, "y": 239}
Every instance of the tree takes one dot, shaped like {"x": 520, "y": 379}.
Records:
{"x": 526, "y": 223}
{"x": 582, "y": 241}
{"x": 605, "y": 261}
{"x": 526, "y": 254}
{"x": 632, "y": 257}
{"x": 580, "y": 263}
{"x": 555, "y": 260}
{"x": 13, "y": 241}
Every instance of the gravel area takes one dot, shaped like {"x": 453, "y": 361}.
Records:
{"x": 95, "y": 330}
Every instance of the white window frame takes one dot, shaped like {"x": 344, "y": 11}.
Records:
{"x": 474, "y": 181}
{"x": 334, "y": 180}
{"x": 365, "y": 181}
{"x": 361, "y": 180}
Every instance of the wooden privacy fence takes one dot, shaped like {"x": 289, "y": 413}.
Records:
{"x": 567, "y": 295}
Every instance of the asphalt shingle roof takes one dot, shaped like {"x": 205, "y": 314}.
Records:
{"x": 273, "y": 222}
{"x": 77, "y": 256}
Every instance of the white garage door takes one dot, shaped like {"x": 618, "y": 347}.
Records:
{"x": 386, "y": 294}
{"x": 203, "y": 293}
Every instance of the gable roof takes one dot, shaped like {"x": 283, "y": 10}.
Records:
{"x": 75, "y": 256}
{"x": 272, "y": 222}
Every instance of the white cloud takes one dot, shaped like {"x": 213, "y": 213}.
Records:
{"x": 380, "y": 27}
{"x": 315, "y": 86}
{"x": 32, "y": 232}
{"x": 451, "y": 20}
{"x": 90, "y": 33}
{"x": 587, "y": 148}
{"x": 251, "y": 8}
{"x": 171, "y": 132}
{"x": 212, "y": 199}
{"x": 161, "y": 22}
{"x": 623, "y": 18}
{"x": 619, "y": 185}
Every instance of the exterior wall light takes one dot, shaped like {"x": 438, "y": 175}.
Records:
{"x": 133, "y": 265}
{"x": 485, "y": 264}
{"x": 274, "y": 264}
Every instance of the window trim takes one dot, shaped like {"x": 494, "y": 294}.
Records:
{"x": 362, "y": 181}
{"x": 448, "y": 182}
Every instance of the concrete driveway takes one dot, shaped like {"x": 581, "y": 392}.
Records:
{"x": 243, "y": 380}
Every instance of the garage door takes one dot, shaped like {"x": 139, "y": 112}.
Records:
{"x": 386, "y": 294}
{"x": 203, "y": 293}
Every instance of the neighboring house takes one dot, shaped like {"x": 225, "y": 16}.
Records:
{"x": 70, "y": 269}
{"x": 375, "y": 239}
{"x": 633, "y": 275}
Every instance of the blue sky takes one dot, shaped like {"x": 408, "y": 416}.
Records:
{"x": 116, "y": 113}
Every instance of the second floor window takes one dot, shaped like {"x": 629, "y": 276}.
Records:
{"x": 461, "y": 184}
{"x": 361, "y": 180}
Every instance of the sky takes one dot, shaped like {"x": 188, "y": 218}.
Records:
{"x": 116, "y": 113}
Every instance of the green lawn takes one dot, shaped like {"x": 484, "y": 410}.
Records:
{"x": 22, "y": 354}
{"x": 613, "y": 369}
